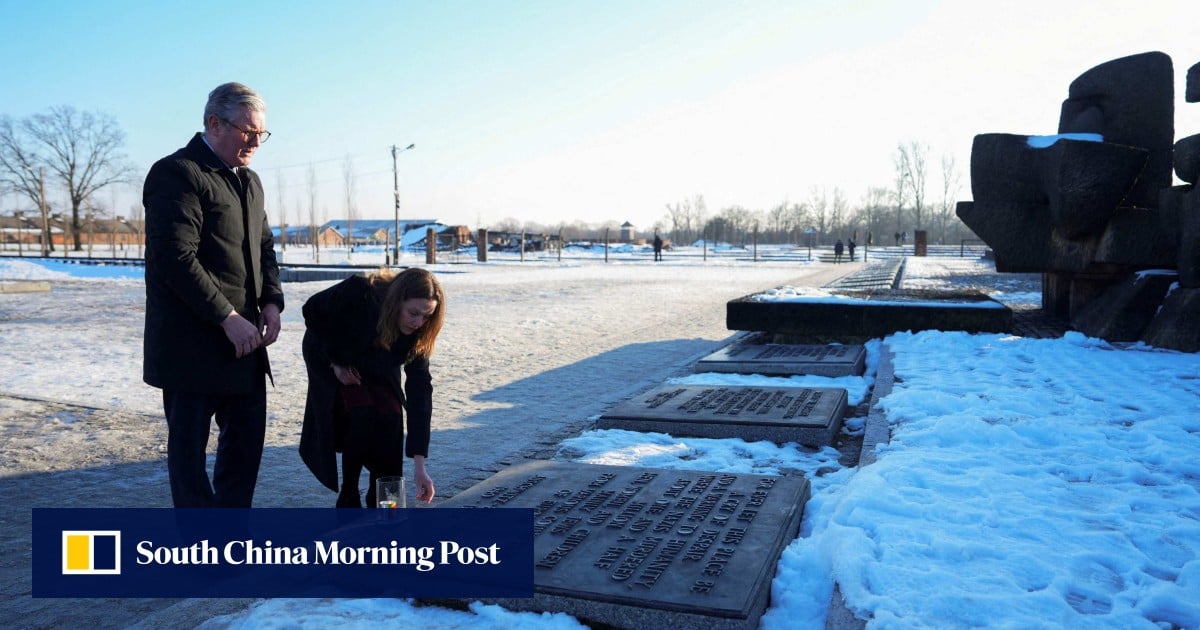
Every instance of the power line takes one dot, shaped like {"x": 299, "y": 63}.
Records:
{"x": 311, "y": 162}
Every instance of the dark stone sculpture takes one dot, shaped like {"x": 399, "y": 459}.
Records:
{"x": 1129, "y": 101}
{"x": 1192, "y": 93}
{"x": 1093, "y": 207}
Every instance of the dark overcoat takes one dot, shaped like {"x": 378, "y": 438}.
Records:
{"x": 209, "y": 251}
{"x": 340, "y": 327}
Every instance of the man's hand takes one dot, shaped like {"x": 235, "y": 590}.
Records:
{"x": 271, "y": 324}
{"x": 242, "y": 334}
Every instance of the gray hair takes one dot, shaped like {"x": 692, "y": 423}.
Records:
{"x": 225, "y": 102}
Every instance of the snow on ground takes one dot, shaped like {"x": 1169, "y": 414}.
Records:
{"x": 1028, "y": 483}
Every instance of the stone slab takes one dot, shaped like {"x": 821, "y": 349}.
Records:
{"x": 289, "y": 274}
{"x": 635, "y": 547}
{"x": 809, "y": 415}
{"x": 782, "y": 359}
{"x": 24, "y": 286}
{"x": 854, "y": 315}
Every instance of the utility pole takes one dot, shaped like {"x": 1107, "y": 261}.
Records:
{"x": 45, "y": 219}
{"x": 396, "y": 192}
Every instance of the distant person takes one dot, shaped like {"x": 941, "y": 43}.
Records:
{"x": 897, "y": 239}
{"x": 360, "y": 335}
{"x": 213, "y": 300}
{"x": 870, "y": 239}
{"x": 850, "y": 245}
{"x": 837, "y": 251}
{"x": 658, "y": 245}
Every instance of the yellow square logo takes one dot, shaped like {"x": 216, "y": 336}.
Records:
{"x": 91, "y": 552}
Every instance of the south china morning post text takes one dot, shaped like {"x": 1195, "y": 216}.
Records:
{"x": 429, "y": 553}
{"x": 238, "y": 552}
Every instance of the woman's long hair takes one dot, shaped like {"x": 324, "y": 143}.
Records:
{"x": 406, "y": 285}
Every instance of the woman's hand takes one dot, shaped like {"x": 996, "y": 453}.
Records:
{"x": 425, "y": 489}
{"x": 346, "y": 375}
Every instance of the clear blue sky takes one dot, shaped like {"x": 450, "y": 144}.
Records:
{"x": 556, "y": 111}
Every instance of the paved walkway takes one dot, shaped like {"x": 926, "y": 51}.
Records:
{"x": 500, "y": 396}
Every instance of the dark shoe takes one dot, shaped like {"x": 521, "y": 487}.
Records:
{"x": 347, "y": 500}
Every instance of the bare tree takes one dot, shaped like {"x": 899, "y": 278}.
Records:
{"x": 678, "y": 215}
{"x": 837, "y": 210}
{"x": 137, "y": 213}
{"x": 508, "y": 224}
{"x": 800, "y": 219}
{"x": 697, "y": 217}
{"x": 137, "y": 219}
{"x": 731, "y": 224}
{"x": 351, "y": 205}
{"x": 313, "y": 218}
{"x": 898, "y": 194}
{"x": 777, "y": 219}
{"x": 818, "y": 206}
{"x": 79, "y": 149}
{"x": 950, "y": 187}
{"x": 280, "y": 187}
{"x": 21, "y": 172}
{"x": 874, "y": 204}
{"x": 910, "y": 161}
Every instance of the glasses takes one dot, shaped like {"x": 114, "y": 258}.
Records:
{"x": 249, "y": 133}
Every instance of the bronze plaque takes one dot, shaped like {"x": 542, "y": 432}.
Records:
{"x": 782, "y": 359}
{"x": 808, "y": 415}
{"x": 650, "y": 547}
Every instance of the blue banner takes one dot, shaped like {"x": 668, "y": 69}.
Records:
{"x": 427, "y": 553}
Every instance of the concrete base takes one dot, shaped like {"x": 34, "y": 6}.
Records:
{"x": 1174, "y": 326}
{"x": 852, "y": 316}
{"x": 1123, "y": 310}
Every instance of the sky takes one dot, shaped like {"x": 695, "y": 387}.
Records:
{"x": 555, "y": 112}
{"x": 1041, "y": 483}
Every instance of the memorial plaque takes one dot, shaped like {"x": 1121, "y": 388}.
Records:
{"x": 808, "y": 415}
{"x": 781, "y": 359}
{"x": 647, "y": 547}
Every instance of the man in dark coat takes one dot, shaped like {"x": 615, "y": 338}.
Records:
{"x": 213, "y": 300}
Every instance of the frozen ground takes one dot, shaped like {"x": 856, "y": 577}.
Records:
{"x": 1028, "y": 482}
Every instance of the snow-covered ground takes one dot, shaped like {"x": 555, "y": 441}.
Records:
{"x": 1028, "y": 483}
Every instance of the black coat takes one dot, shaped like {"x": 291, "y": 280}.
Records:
{"x": 340, "y": 329}
{"x": 209, "y": 251}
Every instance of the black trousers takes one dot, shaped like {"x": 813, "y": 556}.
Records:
{"x": 242, "y": 423}
{"x": 374, "y": 440}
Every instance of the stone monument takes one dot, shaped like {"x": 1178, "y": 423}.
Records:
{"x": 853, "y": 315}
{"x": 1092, "y": 207}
